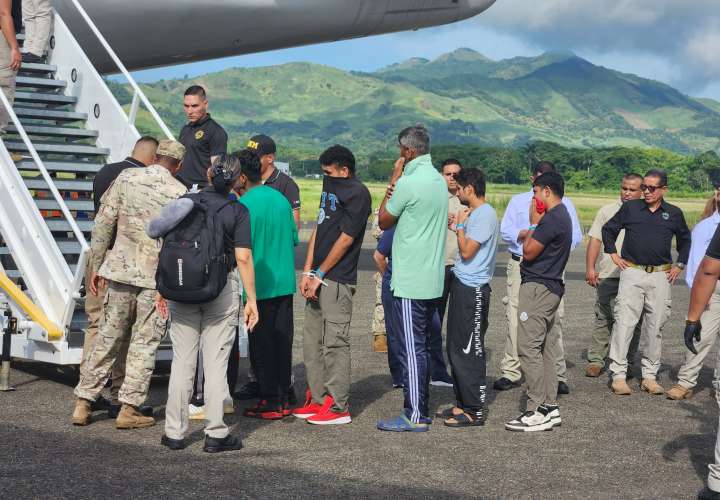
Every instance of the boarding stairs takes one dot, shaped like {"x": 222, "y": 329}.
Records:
{"x": 65, "y": 124}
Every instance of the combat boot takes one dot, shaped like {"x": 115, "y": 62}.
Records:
{"x": 130, "y": 418}
{"x": 650, "y": 385}
{"x": 82, "y": 413}
{"x": 678, "y": 392}
{"x": 380, "y": 343}
{"x": 620, "y": 387}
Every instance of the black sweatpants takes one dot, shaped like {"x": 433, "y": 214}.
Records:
{"x": 271, "y": 347}
{"x": 467, "y": 324}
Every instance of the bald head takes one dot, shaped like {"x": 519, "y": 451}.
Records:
{"x": 144, "y": 150}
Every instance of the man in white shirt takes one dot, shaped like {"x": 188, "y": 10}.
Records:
{"x": 513, "y": 230}
{"x": 688, "y": 373}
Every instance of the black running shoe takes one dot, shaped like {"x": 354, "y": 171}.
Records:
{"x": 216, "y": 445}
{"x": 563, "y": 388}
{"x": 251, "y": 390}
{"x": 505, "y": 384}
{"x": 173, "y": 444}
{"x": 100, "y": 404}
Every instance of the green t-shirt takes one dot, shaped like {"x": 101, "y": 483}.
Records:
{"x": 274, "y": 238}
{"x": 420, "y": 203}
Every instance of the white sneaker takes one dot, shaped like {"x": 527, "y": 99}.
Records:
{"x": 531, "y": 421}
{"x": 554, "y": 414}
{"x": 228, "y": 406}
{"x": 196, "y": 412}
{"x": 440, "y": 383}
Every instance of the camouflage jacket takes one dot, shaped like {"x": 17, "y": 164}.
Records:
{"x": 134, "y": 199}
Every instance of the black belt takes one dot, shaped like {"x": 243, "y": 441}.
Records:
{"x": 514, "y": 257}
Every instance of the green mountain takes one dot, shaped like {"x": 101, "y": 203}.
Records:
{"x": 463, "y": 97}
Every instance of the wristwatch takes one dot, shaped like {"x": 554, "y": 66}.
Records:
{"x": 680, "y": 265}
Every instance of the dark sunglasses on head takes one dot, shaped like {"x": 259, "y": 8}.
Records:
{"x": 650, "y": 189}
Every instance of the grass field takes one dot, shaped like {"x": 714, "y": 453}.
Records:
{"x": 498, "y": 195}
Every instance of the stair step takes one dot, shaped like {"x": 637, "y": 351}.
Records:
{"x": 46, "y": 114}
{"x": 14, "y": 274}
{"x": 62, "y": 185}
{"x": 68, "y": 132}
{"x": 61, "y": 166}
{"x": 51, "y": 204}
{"x": 66, "y": 248}
{"x": 33, "y": 82}
{"x": 63, "y": 225}
{"x": 37, "y": 68}
{"x": 42, "y": 98}
{"x": 66, "y": 149}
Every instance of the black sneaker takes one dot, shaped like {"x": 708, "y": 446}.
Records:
{"x": 563, "y": 388}
{"x": 30, "y": 58}
{"x": 553, "y": 412}
{"x": 505, "y": 384}
{"x": 251, "y": 390}
{"x": 216, "y": 445}
{"x": 100, "y": 404}
{"x": 173, "y": 444}
{"x": 114, "y": 410}
{"x": 708, "y": 494}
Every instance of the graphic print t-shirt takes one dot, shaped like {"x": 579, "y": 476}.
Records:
{"x": 344, "y": 208}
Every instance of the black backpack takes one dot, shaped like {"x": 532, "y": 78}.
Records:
{"x": 193, "y": 266}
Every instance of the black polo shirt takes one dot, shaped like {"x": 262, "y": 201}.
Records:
{"x": 282, "y": 182}
{"x": 202, "y": 139}
{"x": 713, "y": 249}
{"x": 648, "y": 235}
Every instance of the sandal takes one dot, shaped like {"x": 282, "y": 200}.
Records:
{"x": 464, "y": 420}
{"x": 450, "y": 412}
{"x": 401, "y": 424}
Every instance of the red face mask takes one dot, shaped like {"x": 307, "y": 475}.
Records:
{"x": 539, "y": 206}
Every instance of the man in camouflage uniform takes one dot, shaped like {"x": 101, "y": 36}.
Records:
{"x": 135, "y": 198}
{"x": 378, "y": 322}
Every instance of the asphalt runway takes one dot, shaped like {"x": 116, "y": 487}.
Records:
{"x": 640, "y": 446}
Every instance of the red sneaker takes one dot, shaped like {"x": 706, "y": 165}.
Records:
{"x": 311, "y": 408}
{"x": 330, "y": 418}
{"x": 263, "y": 411}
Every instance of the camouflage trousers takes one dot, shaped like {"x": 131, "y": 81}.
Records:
{"x": 129, "y": 313}
{"x": 94, "y": 312}
{"x": 378, "y": 322}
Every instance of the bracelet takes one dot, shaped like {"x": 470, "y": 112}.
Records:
{"x": 460, "y": 226}
{"x": 532, "y": 227}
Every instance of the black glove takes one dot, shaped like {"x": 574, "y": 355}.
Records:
{"x": 692, "y": 331}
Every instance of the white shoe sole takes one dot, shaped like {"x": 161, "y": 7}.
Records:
{"x": 440, "y": 383}
{"x": 547, "y": 426}
{"x": 303, "y": 415}
{"x": 337, "y": 421}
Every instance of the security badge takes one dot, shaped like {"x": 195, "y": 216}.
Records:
{"x": 665, "y": 216}
{"x": 199, "y": 135}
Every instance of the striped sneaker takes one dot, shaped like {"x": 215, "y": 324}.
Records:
{"x": 531, "y": 421}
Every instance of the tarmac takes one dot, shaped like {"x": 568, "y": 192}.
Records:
{"x": 640, "y": 446}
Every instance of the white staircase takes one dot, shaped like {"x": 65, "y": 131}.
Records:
{"x": 66, "y": 124}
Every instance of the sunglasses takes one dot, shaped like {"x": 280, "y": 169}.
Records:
{"x": 649, "y": 189}
{"x": 452, "y": 174}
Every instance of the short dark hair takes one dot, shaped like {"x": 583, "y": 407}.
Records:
{"x": 553, "y": 181}
{"x": 660, "y": 174}
{"x": 632, "y": 176}
{"x": 196, "y": 90}
{"x": 472, "y": 177}
{"x": 543, "y": 167}
{"x": 450, "y": 161}
{"x": 249, "y": 164}
{"x": 148, "y": 138}
{"x": 340, "y": 156}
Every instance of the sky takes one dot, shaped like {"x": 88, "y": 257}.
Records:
{"x": 674, "y": 41}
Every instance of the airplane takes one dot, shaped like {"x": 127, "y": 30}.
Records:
{"x": 151, "y": 33}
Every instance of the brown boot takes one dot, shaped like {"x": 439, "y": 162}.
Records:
{"x": 130, "y": 418}
{"x": 650, "y": 385}
{"x": 82, "y": 413}
{"x": 620, "y": 387}
{"x": 593, "y": 371}
{"x": 380, "y": 343}
{"x": 678, "y": 392}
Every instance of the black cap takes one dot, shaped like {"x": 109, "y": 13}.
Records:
{"x": 262, "y": 145}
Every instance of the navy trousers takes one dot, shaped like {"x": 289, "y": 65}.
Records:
{"x": 438, "y": 368}
{"x": 413, "y": 318}
{"x": 394, "y": 336}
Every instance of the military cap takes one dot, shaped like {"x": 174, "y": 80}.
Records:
{"x": 170, "y": 148}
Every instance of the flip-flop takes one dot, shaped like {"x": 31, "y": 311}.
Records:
{"x": 401, "y": 424}
{"x": 447, "y": 412}
{"x": 463, "y": 420}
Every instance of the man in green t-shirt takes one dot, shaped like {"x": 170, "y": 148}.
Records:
{"x": 416, "y": 204}
{"x": 274, "y": 236}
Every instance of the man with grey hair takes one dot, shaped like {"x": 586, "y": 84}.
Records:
{"x": 416, "y": 204}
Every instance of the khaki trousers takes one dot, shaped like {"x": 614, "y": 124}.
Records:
{"x": 710, "y": 321}
{"x": 646, "y": 294}
{"x": 38, "y": 17}
{"x": 605, "y": 295}
{"x": 326, "y": 344}
{"x": 510, "y": 364}
{"x": 129, "y": 312}
{"x": 94, "y": 312}
{"x": 7, "y": 82}
{"x": 378, "y": 321}
{"x": 209, "y": 327}
{"x": 714, "y": 474}
{"x": 538, "y": 342}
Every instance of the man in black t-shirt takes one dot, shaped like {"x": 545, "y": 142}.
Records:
{"x": 545, "y": 254}
{"x": 328, "y": 284}
{"x": 203, "y": 138}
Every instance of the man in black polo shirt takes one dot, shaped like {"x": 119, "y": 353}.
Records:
{"x": 646, "y": 276}
{"x": 272, "y": 177}
{"x": 546, "y": 250}
{"x": 143, "y": 154}
{"x": 203, "y": 138}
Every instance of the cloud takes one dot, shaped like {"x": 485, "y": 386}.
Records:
{"x": 685, "y": 34}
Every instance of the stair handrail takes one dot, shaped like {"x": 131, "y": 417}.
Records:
{"x": 139, "y": 94}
